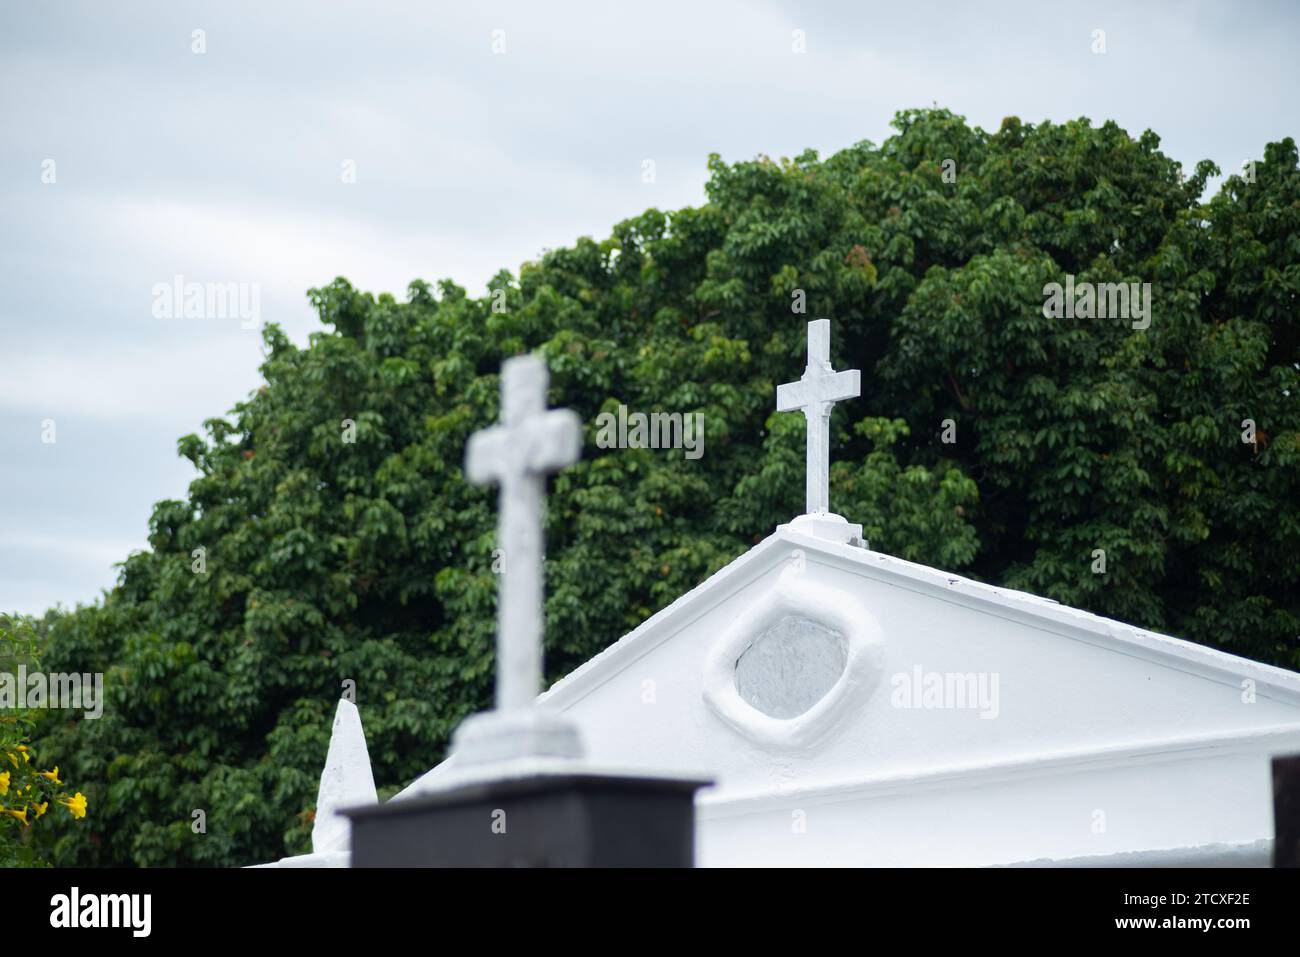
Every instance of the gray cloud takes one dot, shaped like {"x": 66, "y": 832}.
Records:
{"x": 224, "y": 167}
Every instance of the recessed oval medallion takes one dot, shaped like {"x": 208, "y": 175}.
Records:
{"x": 790, "y": 667}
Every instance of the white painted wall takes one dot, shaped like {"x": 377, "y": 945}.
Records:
{"x": 1092, "y": 716}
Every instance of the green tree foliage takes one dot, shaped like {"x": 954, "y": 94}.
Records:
{"x": 30, "y": 783}
{"x": 325, "y": 559}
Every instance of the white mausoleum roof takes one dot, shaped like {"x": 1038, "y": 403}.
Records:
{"x": 1088, "y": 740}
{"x": 1093, "y": 738}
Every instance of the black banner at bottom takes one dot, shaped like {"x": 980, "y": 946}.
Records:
{"x": 300, "y": 906}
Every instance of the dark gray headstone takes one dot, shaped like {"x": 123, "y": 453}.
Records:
{"x": 568, "y": 820}
{"x": 1286, "y": 811}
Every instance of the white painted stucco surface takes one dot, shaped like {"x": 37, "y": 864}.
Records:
{"x": 1108, "y": 744}
{"x": 1106, "y": 739}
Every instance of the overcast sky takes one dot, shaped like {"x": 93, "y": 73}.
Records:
{"x": 226, "y": 166}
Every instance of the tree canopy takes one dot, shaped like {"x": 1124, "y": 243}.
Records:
{"x": 330, "y": 555}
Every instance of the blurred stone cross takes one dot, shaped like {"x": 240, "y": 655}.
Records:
{"x": 517, "y": 455}
{"x": 815, "y": 393}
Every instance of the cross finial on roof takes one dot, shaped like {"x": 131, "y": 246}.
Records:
{"x": 815, "y": 393}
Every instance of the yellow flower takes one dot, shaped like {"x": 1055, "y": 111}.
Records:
{"x": 4, "y": 783}
{"x": 12, "y": 757}
{"x": 21, "y": 815}
{"x": 40, "y": 808}
{"x": 51, "y": 775}
{"x": 76, "y": 805}
{"x": 22, "y": 749}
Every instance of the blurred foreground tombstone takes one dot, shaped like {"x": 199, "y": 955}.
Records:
{"x": 520, "y": 793}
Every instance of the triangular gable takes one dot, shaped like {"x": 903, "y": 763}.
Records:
{"x": 1147, "y": 687}
{"x": 1045, "y": 613}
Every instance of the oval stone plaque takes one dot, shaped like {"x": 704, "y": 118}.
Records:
{"x": 790, "y": 667}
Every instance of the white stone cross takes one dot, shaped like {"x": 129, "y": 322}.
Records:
{"x": 517, "y": 454}
{"x": 815, "y": 393}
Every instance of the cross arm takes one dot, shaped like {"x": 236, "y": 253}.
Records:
{"x": 537, "y": 445}
{"x": 841, "y": 385}
{"x": 791, "y": 396}
{"x": 486, "y": 456}
{"x": 555, "y": 442}
{"x": 828, "y": 387}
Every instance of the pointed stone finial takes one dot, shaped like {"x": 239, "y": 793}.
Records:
{"x": 347, "y": 780}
